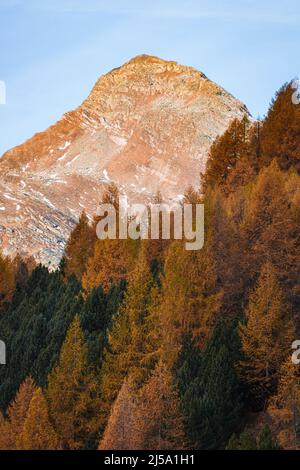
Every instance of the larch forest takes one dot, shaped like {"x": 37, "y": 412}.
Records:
{"x": 142, "y": 344}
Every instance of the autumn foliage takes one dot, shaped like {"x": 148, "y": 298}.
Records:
{"x": 140, "y": 344}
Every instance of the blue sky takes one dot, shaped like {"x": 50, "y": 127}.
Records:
{"x": 52, "y": 52}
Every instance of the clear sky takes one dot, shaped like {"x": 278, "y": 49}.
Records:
{"x": 53, "y": 51}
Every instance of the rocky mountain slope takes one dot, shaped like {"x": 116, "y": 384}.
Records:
{"x": 147, "y": 126}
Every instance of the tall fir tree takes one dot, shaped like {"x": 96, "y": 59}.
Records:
{"x": 119, "y": 431}
{"x": 79, "y": 248}
{"x": 7, "y": 281}
{"x": 12, "y": 427}
{"x": 284, "y": 406}
{"x": 190, "y": 299}
{"x": 128, "y": 351}
{"x": 269, "y": 231}
{"x": 38, "y": 432}
{"x": 113, "y": 258}
{"x": 225, "y": 152}
{"x": 266, "y": 337}
{"x": 158, "y": 422}
{"x": 72, "y": 392}
{"x": 111, "y": 262}
{"x": 280, "y": 134}
{"x": 209, "y": 389}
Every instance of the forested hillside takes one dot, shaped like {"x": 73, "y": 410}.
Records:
{"x": 145, "y": 345}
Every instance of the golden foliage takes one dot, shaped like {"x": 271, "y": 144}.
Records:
{"x": 72, "y": 392}
{"x": 37, "y": 432}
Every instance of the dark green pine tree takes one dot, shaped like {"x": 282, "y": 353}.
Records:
{"x": 245, "y": 441}
{"x": 96, "y": 318}
{"x": 209, "y": 389}
{"x": 34, "y": 328}
{"x": 35, "y": 325}
{"x": 266, "y": 441}
{"x": 248, "y": 441}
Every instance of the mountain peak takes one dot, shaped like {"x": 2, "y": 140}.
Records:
{"x": 146, "y": 75}
{"x": 145, "y": 58}
{"x": 147, "y": 126}
{"x": 148, "y": 60}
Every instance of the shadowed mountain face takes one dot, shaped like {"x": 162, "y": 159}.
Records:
{"x": 147, "y": 126}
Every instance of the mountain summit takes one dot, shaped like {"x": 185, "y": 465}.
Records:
{"x": 147, "y": 126}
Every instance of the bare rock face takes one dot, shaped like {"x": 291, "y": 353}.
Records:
{"x": 147, "y": 126}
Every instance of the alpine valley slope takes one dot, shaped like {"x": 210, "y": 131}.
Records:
{"x": 147, "y": 126}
